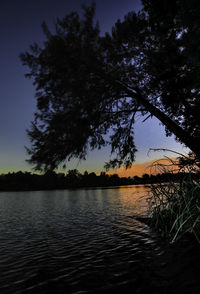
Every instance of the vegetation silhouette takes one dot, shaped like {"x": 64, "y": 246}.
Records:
{"x": 89, "y": 85}
{"x": 175, "y": 206}
{"x": 21, "y": 181}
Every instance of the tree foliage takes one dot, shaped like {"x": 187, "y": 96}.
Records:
{"x": 89, "y": 85}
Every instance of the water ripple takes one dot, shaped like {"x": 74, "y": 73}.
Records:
{"x": 83, "y": 241}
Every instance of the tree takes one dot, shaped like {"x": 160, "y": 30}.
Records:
{"x": 145, "y": 178}
{"x": 88, "y": 85}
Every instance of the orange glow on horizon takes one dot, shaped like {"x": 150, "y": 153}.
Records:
{"x": 149, "y": 167}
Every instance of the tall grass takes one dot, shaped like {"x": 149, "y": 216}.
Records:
{"x": 175, "y": 206}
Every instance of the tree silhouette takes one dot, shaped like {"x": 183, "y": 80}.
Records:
{"x": 89, "y": 85}
{"x": 74, "y": 179}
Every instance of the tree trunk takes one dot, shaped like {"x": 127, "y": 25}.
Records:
{"x": 182, "y": 135}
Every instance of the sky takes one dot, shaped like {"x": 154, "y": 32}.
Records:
{"x": 20, "y": 26}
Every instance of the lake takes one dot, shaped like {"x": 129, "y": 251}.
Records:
{"x": 75, "y": 241}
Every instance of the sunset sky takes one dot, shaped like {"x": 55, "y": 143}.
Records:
{"x": 21, "y": 26}
{"x": 155, "y": 166}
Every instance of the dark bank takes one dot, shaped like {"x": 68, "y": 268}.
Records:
{"x": 22, "y": 181}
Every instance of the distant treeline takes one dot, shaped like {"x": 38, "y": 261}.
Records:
{"x": 19, "y": 181}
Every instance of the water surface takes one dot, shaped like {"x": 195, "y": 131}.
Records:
{"x": 74, "y": 241}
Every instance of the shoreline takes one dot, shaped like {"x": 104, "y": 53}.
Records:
{"x": 72, "y": 188}
{"x": 177, "y": 269}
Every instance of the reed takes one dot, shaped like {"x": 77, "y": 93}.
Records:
{"x": 174, "y": 207}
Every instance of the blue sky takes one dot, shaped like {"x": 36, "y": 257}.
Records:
{"x": 20, "y": 26}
